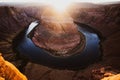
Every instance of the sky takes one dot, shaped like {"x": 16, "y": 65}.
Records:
{"x": 49, "y": 1}
{"x": 59, "y": 4}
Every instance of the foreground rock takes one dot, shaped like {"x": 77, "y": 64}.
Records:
{"x": 39, "y": 72}
{"x": 113, "y": 77}
{"x": 9, "y": 72}
{"x": 12, "y": 22}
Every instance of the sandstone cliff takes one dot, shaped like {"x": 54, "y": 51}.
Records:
{"x": 104, "y": 18}
{"x": 9, "y": 72}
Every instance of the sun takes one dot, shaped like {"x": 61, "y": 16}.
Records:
{"x": 60, "y": 5}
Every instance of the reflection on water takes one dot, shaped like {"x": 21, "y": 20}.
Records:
{"x": 90, "y": 54}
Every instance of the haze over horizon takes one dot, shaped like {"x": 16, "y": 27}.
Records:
{"x": 60, "y": 1}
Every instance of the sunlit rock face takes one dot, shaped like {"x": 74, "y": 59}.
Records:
{"x": 56, "y": 33}
{"x": 105, "y": 19}
{"x": 9, "y": 72}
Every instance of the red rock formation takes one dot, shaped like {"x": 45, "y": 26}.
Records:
{"x": 56, "y": 33}
{"x": 9, "y": 72}
{"x": 104, "y": 18}
{"x": 112, "y": 77}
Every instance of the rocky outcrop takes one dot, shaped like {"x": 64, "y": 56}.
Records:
{"x": 9, "y": 72}
{"x": 45, "y": 73}
{"x": 12, "y": 22}
{"x": 1, "y": 78}
{"x": 104, "y": 18}
{"x": 112, "y": 77}
{"x": 56, "y": 33}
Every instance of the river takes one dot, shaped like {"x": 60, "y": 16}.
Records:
{"x": 90, "y": 53}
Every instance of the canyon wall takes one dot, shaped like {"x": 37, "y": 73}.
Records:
{"x": 105, "y": 19}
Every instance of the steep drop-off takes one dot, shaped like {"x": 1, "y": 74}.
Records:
{"x": 104, "y": 18}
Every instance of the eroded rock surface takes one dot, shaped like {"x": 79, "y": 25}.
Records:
{"x": 9, "y": 72}
{"x": 104, "y": 18}
{"x": 12, "y": 22}
{"x": 112, "y": 77}
{"x": 56, "y": 33}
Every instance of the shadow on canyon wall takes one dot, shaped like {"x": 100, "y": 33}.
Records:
{"x": 103, "y": 18}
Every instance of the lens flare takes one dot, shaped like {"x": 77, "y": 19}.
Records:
{"x": 60, "y": 5}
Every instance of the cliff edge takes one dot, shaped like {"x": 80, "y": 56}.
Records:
{"x": 9, "y": 72}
